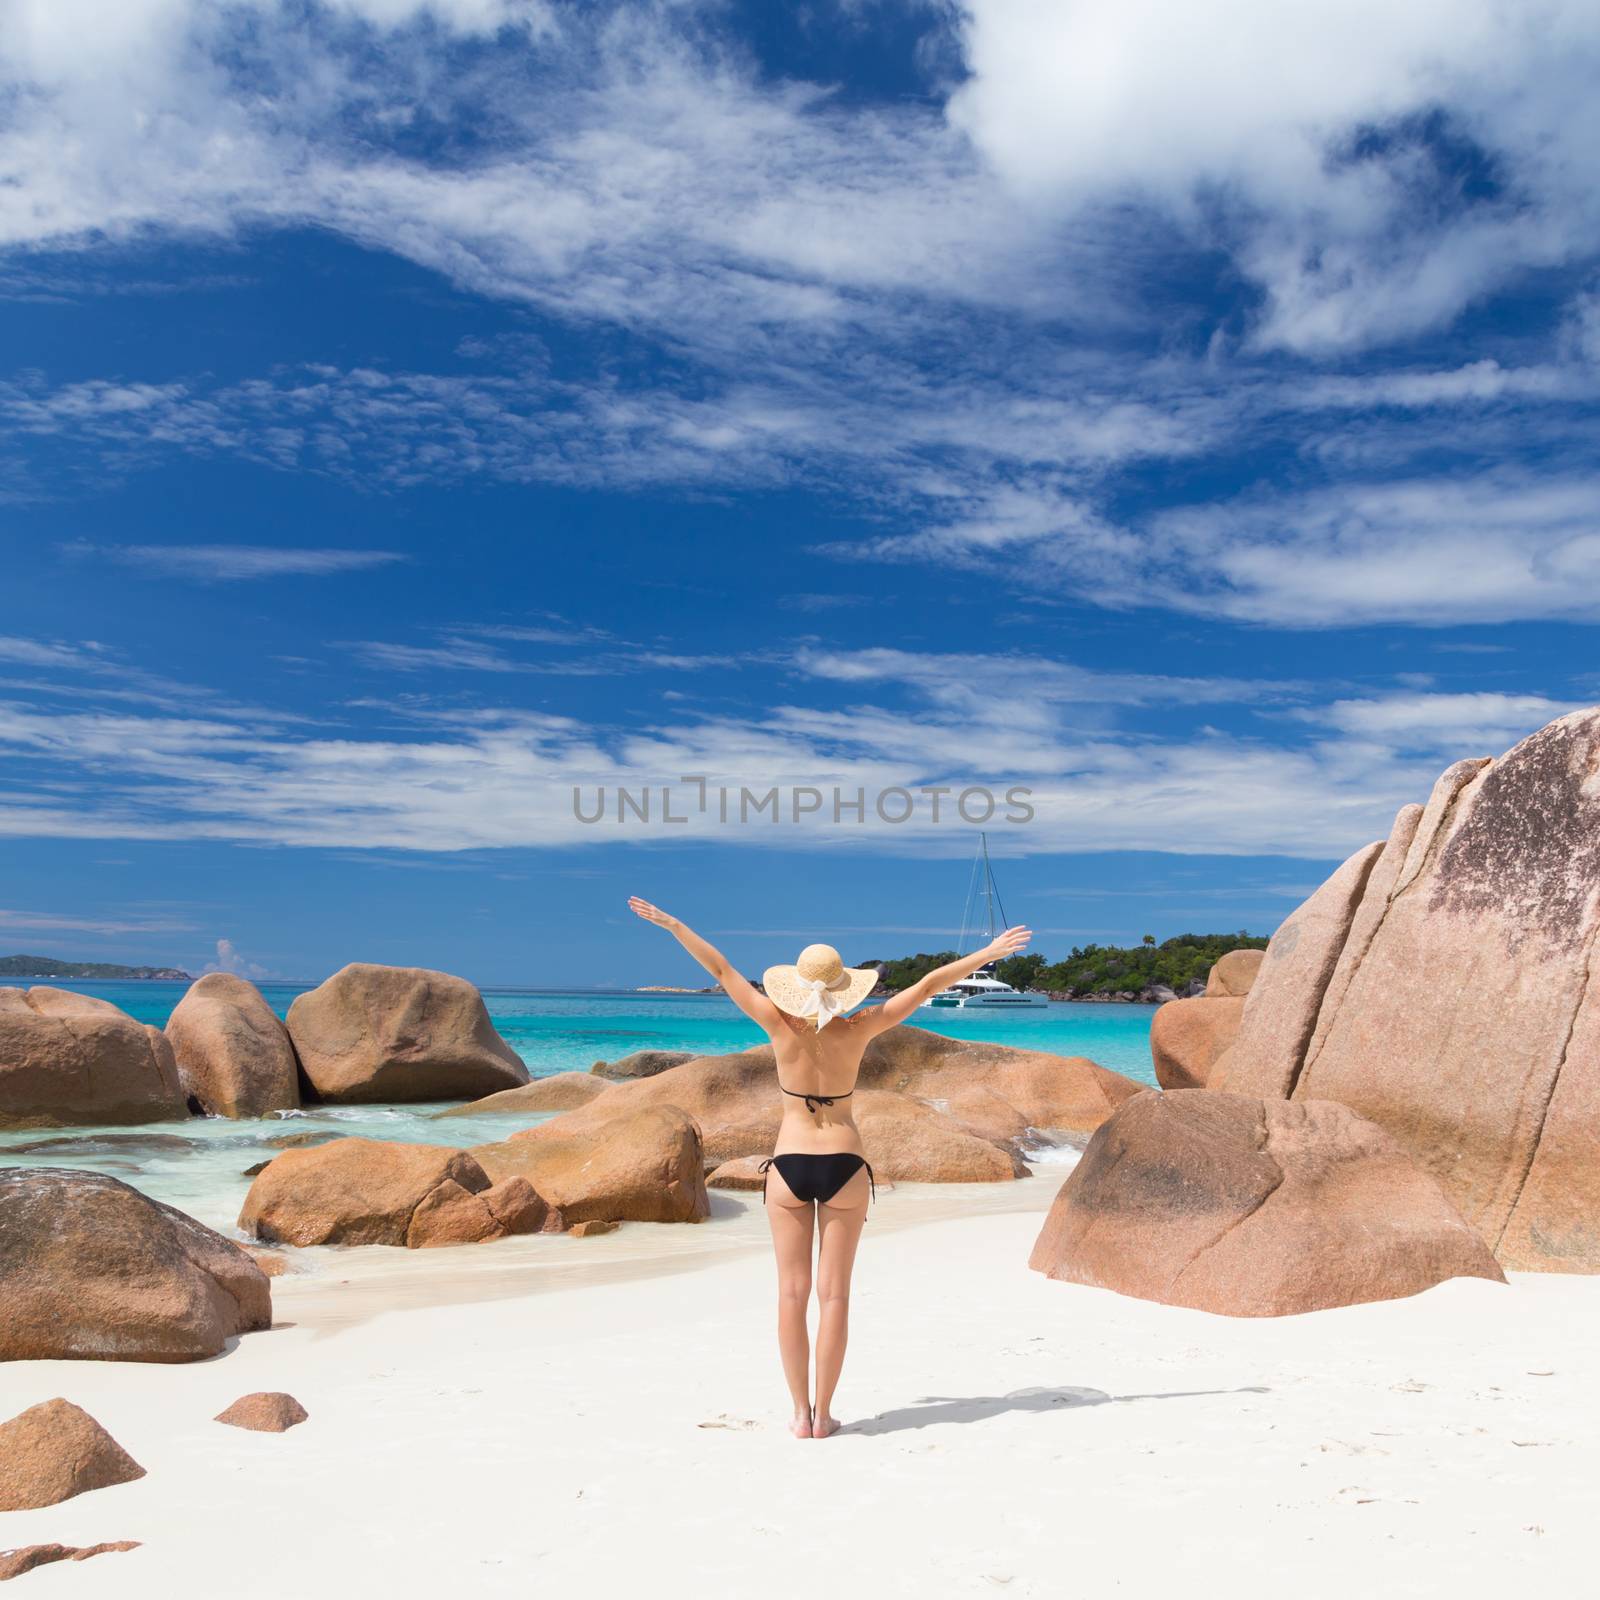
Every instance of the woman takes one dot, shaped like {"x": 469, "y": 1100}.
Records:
{"x": 818, "y": 1168}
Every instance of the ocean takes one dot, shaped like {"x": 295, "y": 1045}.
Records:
{"x": 199, "y": 1164}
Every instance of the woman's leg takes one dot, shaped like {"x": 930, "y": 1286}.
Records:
{"x": 840, "y": 1221}
{"x": 790, "y": 1221}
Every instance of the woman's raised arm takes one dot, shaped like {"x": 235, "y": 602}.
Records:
{"x": 900, "y": 1006}
{"x": 738, "y": 989}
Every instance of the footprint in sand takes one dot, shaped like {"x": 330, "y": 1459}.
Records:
{"x": 731, "y": 1424}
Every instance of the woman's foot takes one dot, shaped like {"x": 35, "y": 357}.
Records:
{"x": 800, "y": 1427}
{"x": 822, "y": 1426}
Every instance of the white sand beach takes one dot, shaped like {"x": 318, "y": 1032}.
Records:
{"x": 606, "y": 1417}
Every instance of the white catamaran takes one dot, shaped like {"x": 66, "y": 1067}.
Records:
{"x": 983, "y": 990}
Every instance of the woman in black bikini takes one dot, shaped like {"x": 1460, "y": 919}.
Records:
{"x": 819, "y": 1169}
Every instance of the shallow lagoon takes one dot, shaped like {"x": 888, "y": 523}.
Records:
{"x": 199, "y": 1164}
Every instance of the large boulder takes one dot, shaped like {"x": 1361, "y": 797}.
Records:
{"x": 909, "y": 1142}
{"x": 1460, "y": 1007}
{"x": 643, "y": 1164}
{"x": 1069, "y": 1094}
{"x": 370, "y": 1191}
{"x": 563, "y": 1091}
{"x": 1272, "y": 1033}
{"x": 993, "y": 1091}
{"x": 1253, "y": 1208}
{"x": 234, "y": 1055}
{"x": 399, "y": 1033}
{"x": 57, "y": 1450}
{"x": 92, "y": 1269}
{"x": 1187, "y": 1037}
{"x": 68, "y": 1059}
{"x": 1233, "y": 973}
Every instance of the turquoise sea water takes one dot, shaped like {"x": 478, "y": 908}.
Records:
{"x": 565, "y": 1031}
{"x": 199, "y": 1164}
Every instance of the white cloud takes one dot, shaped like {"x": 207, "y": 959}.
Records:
{"x": 497, "y": 778}
{"x": 1495, "y": 547}
{"x": 1466, "y": 547}
{"x": 232, "y": 563}
{"x": 230, "y": 960}
{"x": 1481, "y": 722}
{"x": 1328, "y": 144}
{"x": 978, "y": 683}
{"x": 37, "y": 653}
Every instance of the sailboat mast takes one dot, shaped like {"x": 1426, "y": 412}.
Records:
{"x": 988, "y": 884}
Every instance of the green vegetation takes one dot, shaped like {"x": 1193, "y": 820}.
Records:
{"x": 1097, "y": 968}
{"x": 50, "y": 967}
{"x": 901, "y": 974}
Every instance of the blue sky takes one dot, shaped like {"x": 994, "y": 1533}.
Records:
{"x": 412, "y": 411}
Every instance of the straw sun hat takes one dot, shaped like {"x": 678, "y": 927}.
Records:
{"x": 818, "y": 985}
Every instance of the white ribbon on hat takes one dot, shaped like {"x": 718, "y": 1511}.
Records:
{"x": 821, "y": 1000}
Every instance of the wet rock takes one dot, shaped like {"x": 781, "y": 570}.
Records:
{"x": 641, "y": 1064}
{"x": 640, "y": 1165}
{"x": 370, "y": 1191}
{"x": 233, "y": 1053}
{"x": 95, "y": 1144}
{"x": 734, "y": 1098}
{"x": 565, "y": 1091}
{"x": 306, "y": 1139}
{"x": 68, "y": 1059}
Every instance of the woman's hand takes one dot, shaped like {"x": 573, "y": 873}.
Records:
{"x": 650, "y": 913}
{"x": 1012, "y": 942}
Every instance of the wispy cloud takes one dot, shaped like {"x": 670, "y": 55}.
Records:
{"x": 230, "y": 563}
{"x": 95, "y": 927}
{"x": 489, "y": 778}
{"x": 1443, "y": 722}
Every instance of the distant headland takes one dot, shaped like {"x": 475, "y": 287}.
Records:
{"x": 50, "y": 967}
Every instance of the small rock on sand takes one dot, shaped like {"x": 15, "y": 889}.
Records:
{"x": 54, "y": 1451}
{"x": 266, "y": 1411}
{"x": 13, "y": 1563}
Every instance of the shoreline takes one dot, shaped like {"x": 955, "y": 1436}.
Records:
{"x": 349, "y": 1285}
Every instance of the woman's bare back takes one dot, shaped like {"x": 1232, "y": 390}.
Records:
{"x": 824, "y": 1065}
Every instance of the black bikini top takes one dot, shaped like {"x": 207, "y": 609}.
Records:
{"x": 814, "y": 1100}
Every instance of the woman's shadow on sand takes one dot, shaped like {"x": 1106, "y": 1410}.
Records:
{"x": 935, "y": 1409}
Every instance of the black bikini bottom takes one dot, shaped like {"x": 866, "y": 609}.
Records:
{"x": 817, "y": 1177}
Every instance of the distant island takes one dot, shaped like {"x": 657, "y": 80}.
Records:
{"x": 50, "y": 967}
{"x": 1095, "y": 971}
{"x": 1148, "y": 971}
